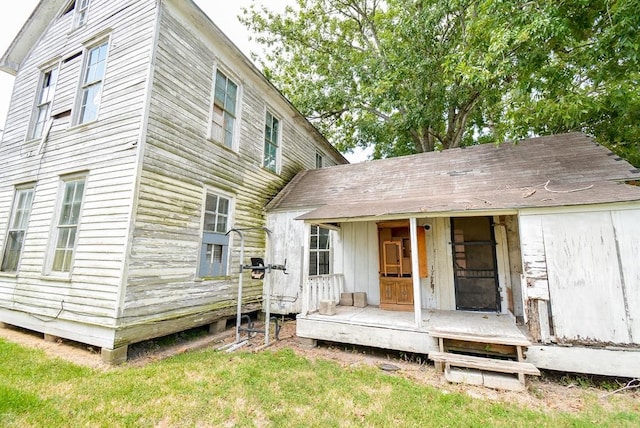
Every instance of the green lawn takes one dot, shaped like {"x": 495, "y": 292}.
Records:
{"x": 279, "y": 389}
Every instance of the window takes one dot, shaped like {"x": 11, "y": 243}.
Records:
{"x": 43, "y": 104}
{"x": 17, "y": 229}
{"x": 67, "y": 229}
{"x": 319, "y": 160}
{"x": 215, "y": 242}
{"x": 82, "y": 9}
{"x": 320, "y": 251}
{"x": 224, "y": 110}
{"x": 92, "y": 80}
{"x": 271, "y": 134}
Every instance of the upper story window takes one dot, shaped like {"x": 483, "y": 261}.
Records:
{"x": 44, "y": 100}
{"x": 224, "y": 110}
{"x": 319, "y": 160}
{"x": 80, "y": 9}
{"x": 92, "y": 80}
{"x": 68, "y": 221}
{"x": 271, "y": 142}
{"x": 17, "y": 229}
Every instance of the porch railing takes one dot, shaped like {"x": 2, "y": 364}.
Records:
{"x": 322, "y": 287}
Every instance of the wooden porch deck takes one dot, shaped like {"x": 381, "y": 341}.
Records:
{"x": 396, "y": 330}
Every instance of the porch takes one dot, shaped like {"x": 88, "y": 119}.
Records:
{"x": 397, "y": 330}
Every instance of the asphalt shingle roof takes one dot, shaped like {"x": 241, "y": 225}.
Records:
{"x": 566, "y": 169}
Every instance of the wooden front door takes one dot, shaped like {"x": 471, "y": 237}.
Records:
{"x": 474, "y": 264}
{"x": 396, "y": 283}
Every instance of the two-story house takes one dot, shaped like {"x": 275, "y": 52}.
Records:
{"x": 137, "y": 136}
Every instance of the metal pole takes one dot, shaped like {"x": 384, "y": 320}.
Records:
{"x": 267, "y": 286}
{"x": 239, "y": 314}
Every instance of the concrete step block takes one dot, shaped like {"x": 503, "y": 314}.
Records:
{"x": 327, "y": 307}
{"x": 360, "y": 299}
{"x": 502, "y": 381}
{"x": 346, "y": 299}
{"x": 467, "y": 376}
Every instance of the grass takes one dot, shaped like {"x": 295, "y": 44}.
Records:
{"x": 275, "y": 389}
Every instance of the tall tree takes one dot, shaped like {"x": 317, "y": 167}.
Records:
{"x": 417, "y": 75}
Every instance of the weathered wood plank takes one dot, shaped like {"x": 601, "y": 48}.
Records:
{"x": 489, "y": 364}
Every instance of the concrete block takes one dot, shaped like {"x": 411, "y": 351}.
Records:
{"x": 502, "y": 381}
{"x": 307, "y": 343}
{"x": 327, "y": 307}
{"x": 218, "y": 326}
{"x": 114, "y": 356}
{"x": 469, "y": 377}
{"x": 360, "y": 299}
{"x": 346, "y": 299}
{"x": 51, "y": 338}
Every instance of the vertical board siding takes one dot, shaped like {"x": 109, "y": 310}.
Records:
{"x": 626, "y": 225}
{"x": 535, "y": 284}
{"x": 105, "y": 150}
{"x": 590, "y": 259}
{"x": 442, "y": 270}
{"x": 361, "y": 264}
{"x": 582, "y": 264}
{"x": 515, "y": 264}
{"x": 287, "y": 243}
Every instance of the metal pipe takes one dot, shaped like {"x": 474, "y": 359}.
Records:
{"x": 267, "y": 284}
{"x": 240, "y": 279}
{"x": 239, "y": 309}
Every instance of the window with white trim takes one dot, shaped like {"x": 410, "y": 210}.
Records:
{"x": 319, "y": 251}
{"x": 319, "y": 160}
{"x": 81, "y": 12}
{"x": 14, "y": 242}
{"x": 215, "y": 241}
{"x": 68, "y": 221}
{"x": 271, "y": 142}
{"x": 92, "y": 80}
{"x": 224, "y": 110}
{"x": 43, "y": 103}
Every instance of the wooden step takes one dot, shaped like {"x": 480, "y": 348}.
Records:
{"x": 488, "y": 364}
{"x": 469, "y": 337}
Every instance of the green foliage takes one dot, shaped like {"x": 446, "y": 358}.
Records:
{"x": 418, "y": 75}
{"x": 208, "y": 388}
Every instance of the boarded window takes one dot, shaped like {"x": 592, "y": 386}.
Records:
{"x": 17, "y": 229}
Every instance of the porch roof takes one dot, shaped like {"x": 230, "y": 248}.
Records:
{"x": 558, "y": 170}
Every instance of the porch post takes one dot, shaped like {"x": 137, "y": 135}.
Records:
{"x": 415, "y": 268}
{"x": 305, "y": 269}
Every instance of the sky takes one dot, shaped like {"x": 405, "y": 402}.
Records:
{"x": 222, "y": 12}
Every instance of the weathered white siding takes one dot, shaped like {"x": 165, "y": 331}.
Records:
{"x": 590, "y": 262}
{"x": 84, "y": 305}
{"x": 148, "y": 164}
{"x": 361, "y": 264}
{"x": 286, "y": 243}
{"x": 181, "y": 164}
